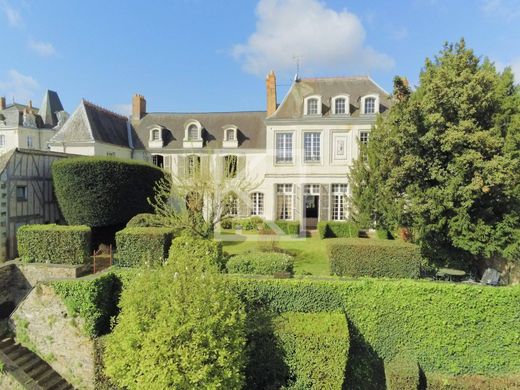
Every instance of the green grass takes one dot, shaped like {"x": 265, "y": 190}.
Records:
{"x": 309, "y": 253}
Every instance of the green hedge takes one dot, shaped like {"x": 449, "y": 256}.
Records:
{"x": 402, "y": 374}
{"x": 207, "y": 251}
{"x": 103, "y": 191}
{"x": 337, "y": 229}
{"x": 144, "y": 220}
{"x": 289, "y": 227}
{"x": 137, "y": 246}
{"x": 448, "y": 328}
{"x": 54, "y": 243}
{"x": 260, "y": 263}
{"x": 94, "y": 299}
{"x": 357, "y": 257}
{"x": 250, "y": 223}
{"x": 384, "y": 235}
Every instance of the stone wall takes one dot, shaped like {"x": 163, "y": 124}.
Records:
{"x": 13, "y": 288}
{"x": 38, "y": 272}
{"x": 41, "y": 322}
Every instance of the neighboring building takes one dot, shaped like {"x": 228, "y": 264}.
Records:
{"x": 26, "y": 194}
{"x": 23, "y": 126}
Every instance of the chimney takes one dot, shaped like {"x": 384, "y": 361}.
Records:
{"x": 270, "y": 84}
{"x": 29, "y": 106}
{"x": 2, "y": 103}
{"x": 138, "y": 107}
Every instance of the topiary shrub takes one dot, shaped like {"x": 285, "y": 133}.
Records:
{"x": 206, "y": 251}
{"x": 291, "y": 228}
{"x": 138, "y": 246}
{"x": 145, "y": 220}
{"x": 260, "y": 263}
{"x": 102, "y": 191}
{"x": 337, "y": 229}
{"x": 54, "y": 244}
{"x": 402, "y": 373}
{"x": 356, "y": 257}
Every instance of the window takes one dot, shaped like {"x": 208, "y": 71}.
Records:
{"x": 192, "y": 165}
{"x": 339, "y": 201}
{"x": 21, "y": 193}
{"x": 257, "y": 203}
{"x": 311, "y": 147}
{"x": 2, "y": 140}
{"x": 284, "y": 201}
{"x": 193, "y": 133}
{"x": 339, "y": 106}
{"x": 370, "y": 105}
{"x": 29, "y": 141}
{"x": 230, "y": 166}
{"x": 158, "y": 160}
{"x": 232, "y": 205}
{"x": 284, "y": 153}
{"x": 230, "y": 135}
{"x": 363, "y": 137}
{"x": 156, "y": 135}
{"x": 312, "y": 106}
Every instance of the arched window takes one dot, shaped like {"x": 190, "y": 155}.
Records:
{"x": 339, "y": 106}
{"x": 370, "y": 105}
{"x": 156, "y": 135}
{"x": 312, "y": 106}
{"x": 193, "y": 133}
{"x": 230, "y": 135}
{"x": 257, "y": 203}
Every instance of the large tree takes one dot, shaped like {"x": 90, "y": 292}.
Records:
{"x": 446, "y": 159}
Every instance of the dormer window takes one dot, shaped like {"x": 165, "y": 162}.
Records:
{"x": 312, "y": 105}
{"x": 193, "y": 135}
{"x": 230, "y": 135}
{"x": 156, "y": 137}
{"x": 230, "y": 139}
{"x": 370, "y": 104}
{"x": 341, "y": 105}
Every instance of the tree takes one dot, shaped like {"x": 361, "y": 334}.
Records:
{"x": 448, "y": 162}
{"x": 180, "y": 326}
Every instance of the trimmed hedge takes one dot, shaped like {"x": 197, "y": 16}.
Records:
{"x": 137, "y": 246}
{"x": 260, "y": 263}
{"x": 103, "y": 191}
{"x": 356, "y": 257}
{"x": 291, "y": 228}
{"x": 384, "y": 235}
{"x": 144, "y": 220}
{"x": 337, "y": 229}
{"x": 55, "y": 244}
{"x": 448, "y": 328}
{"x": 94, "y": 299}
{"x": 315, "y": 347}
{"x": 206, "y": 251}
{"x": 402, "y": 374}
{"x": 250, "y": 223}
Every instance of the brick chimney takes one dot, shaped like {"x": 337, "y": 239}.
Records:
{"x": 270, "y": 84}
{"x": 2, "y": 103}
{"x": 138, "y": 107}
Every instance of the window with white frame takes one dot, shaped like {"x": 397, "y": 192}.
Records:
{"x": 363, "y": 137}
{"x": 312, "y": 106}
{"x": 29, "y": 141}
{"x": 192, "y": 165}
{"x": 257, "y": 203}
{"x": 230, "y": 135}
{"x": 2, "y": 140}
{"x": 370, "y": 105}
{"x": 340, "y": 106}
{"x": 193, "y": 133}
{"x": 311, "y": 147}
{"x": 156, "y": 135}
{"x": 339, "y": 202}
{"x": 284, "y": 148}
{"x": 284, "y": 201}
{"x": 232, "y": 205}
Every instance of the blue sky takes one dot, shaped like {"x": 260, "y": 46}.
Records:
{"x": 212, "y": 55}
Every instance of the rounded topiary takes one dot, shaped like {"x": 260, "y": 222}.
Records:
{"x": 145, "y": 220}
{"x": 101, "y": 191}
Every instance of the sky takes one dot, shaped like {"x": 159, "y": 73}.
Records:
{"x": 213, "y": 55}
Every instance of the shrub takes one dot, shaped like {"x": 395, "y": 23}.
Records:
{"x": 94, "y": 299}
{"x": 260, "y": 263}
{"x": 205, "y": 251}
{"x": 384, "y": 234}
{"x": 143, "y": 245}
{"x": 251, "y": 223}
{"x": 53, "y": 243}
{"x": 402, "y": 373}
{"x": 336, "y": 229}
{"x": 144, "y": 220}
{"x": 103, "y": 191}
{"x": 226, "y": 223}
{"x": 357, "y": 257}
{"x": 291, "y": 228}
{"x": 180, "y": 327}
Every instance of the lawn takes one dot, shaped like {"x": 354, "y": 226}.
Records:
{"x": 309, "y": 252}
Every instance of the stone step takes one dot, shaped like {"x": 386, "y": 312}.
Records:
{"x": 50, "y": 379}
{"x": 37, "y": 372}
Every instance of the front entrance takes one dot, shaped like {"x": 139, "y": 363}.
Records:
{"x": 311, "y": 205}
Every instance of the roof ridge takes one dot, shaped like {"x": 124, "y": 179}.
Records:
{"x": 98, "y": 107}
{"x": 208, "y": 112}
{"x": 358, "y": 77}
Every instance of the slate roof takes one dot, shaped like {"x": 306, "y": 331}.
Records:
{"x": 90, "y": 123}
{"x": 250, "y": 124}
{"x": 50, "y": 106}
{"x": 328, "y": 87}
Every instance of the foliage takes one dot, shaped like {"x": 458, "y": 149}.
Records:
{"x": 251, "y": 223}
{"x": 103, "y": 191}
{"x": 291, "y": 228}
{"x": 357, "y": 257}
{"x": 384, "y": 234}
{"x": 53, "y": 243}
{"x": 137, "y": 246}
{"x": 480, "y": 325}
{"x": 445, "y": 161}
{"x": 180, "y": 327}
{"x": 144, "y": 220}
{"x": 260, "y": 263}
{"x": 94, "y": 299}
{"x": 336, "y": 229}
{"x": 204, "y": 251}
{"x": 402, "y": 373}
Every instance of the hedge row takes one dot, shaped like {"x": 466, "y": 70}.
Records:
{"x": 138, "y": 246}
{"x": 251, "y": 223}
{"x": 54, "y": 244}
{"x": 260, "y": 263}
{"x": 103, "y": 191}
{"x": 335, "y": 229}
{"x": 447, "y": 328}
{"x": 207, "y": 251}
{"x": 94, "y": 299}
{"x": 144, "y": 220}
{"x": 357, "y": 257}
{"x": 289, "y": 227}
{"x": 402, "y": 374}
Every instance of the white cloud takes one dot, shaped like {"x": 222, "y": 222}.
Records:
{"x": 322, "y": 37}
{"x": 123, "y": 109}
{"x": 18, "y": 86}
{"x": 13, "y": 15}
{"x": 44, "y": 49}
{"x": 515, "y": 67}
{"x": 505, "y": 9}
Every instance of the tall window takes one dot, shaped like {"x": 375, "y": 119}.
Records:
{"x": 192, "y": 165}
{"x": 2, "y": 140}
{"x": 232, "y": 205}
{"x": 284, "y": 152}
{"x": 311, "y": 147}
{"x": 29, "y": 141}
{"x": 363, "y": 137}
{"x": 193, "y": 133}
{"x": 230, "y": 135}
{"x": 339, "y": 202}
{"x": 370, "y": 105}
{"x": 230, "y": 166}
{"x": 257, "y": 203}
{"x": 312, "y": 106}
{"x": 339, "y": 106}
{"x": 284, "y": 201}
{"x": 155, "y": 135}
